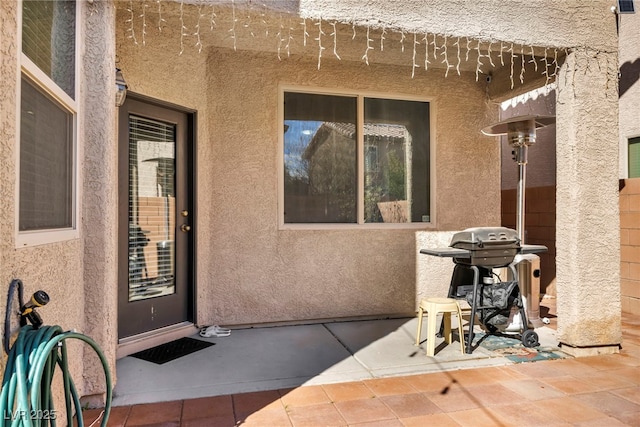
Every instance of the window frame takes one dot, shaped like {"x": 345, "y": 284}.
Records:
{"x": 360, "y": 148}
{"x": 630, "y": 141}
{"x": 41, "y": 81}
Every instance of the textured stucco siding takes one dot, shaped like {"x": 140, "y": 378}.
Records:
{"x": 99, "y": 188}
{"x": 63, "y": 269}
{"x": 55, "y": 268}
{"x": 587, "y": 234}
{"x": 248, "y": 270}
{"x": 8, "y": 80}
{"x": 267, "y": 274}
{"x": 246, "y": 266}
{"x": 539, "y": 22}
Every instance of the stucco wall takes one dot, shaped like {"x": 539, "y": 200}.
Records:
{"x": 265, "y": 274}
{"x": 236, "y": 218}
{"x": 542, "y": 23}
{"x": 587, "y": 233}
{"x": 61, "y": 269}
{"x": 99, "y": 189}
{"x": 55, "y": 268}
{"x": 248, "y": 270}
{"x": 8, "y": 80}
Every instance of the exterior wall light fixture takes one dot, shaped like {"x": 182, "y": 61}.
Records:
{"x": 121, "y": 88}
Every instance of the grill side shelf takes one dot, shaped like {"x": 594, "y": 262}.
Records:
{"x": 533, "y": 249}
{"x": 465, "y": 253}
{"x": 447, "y": 252}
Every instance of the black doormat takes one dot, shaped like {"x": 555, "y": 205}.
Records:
{"x": 172, "y": 350}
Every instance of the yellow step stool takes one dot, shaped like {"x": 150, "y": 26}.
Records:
{"x": 433, "y": 306}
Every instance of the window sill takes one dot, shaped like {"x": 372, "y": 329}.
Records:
{"x": 361, "y": 227}
{"x": 44, "y": 237}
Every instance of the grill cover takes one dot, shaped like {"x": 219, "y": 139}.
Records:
{"x": 488, "y": 246}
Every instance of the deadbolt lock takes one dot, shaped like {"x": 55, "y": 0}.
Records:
{"x": 185, "y": 213}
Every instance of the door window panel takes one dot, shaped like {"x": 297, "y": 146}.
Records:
{"x": 151, "y": 208}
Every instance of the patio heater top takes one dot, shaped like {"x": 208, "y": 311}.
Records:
{"x": 521, "y": 133}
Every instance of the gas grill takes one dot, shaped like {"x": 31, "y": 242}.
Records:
{"x": 486, "y": 246}
{"x": 476, "y": 252}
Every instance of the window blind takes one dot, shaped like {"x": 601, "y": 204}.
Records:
{"x": 46, "y": 162}
{"x": 151, "y": 208}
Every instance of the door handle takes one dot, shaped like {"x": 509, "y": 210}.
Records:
{"x": 185, "y": 228}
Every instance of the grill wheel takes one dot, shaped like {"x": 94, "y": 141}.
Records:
{"x": 530, "y": 338}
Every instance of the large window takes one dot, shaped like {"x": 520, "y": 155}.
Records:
{"x": 634, "y": 157}
{"x": 355, "y": 159}
{"x": 48, "y": 110}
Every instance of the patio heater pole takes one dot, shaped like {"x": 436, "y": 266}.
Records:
{"x": 520, "y": 136}
{"x": 521, "y": 133}
{"x": 522, "y": 185}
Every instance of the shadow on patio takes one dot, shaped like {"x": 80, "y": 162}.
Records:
{"x": 280, "y": 357}
{"x": 599, "y": 390}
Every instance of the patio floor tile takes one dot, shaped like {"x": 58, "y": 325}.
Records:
{"x": 324, "y": 414}
{"x": 440, "y": 420}
{"x": 248, "y": 403}
{"x": 207, "y": 407}
{"x": 456, "y": 399}
{"x": 155, "y": 413}
{"x": 347, "y": 391}
{"x": 265, "y": 417}
{"x": 364, "y": 410}
{"x": 533, "y": 389}
{"x": 609, "y": 404}
{"x": 304, "y": 396}
{"x": 477, "y": 417}
{"x": 568, "y": 409}
{"x": 389, "y": 386}
{"x": 410, "y": 405}
{"x": 571, "y": 385}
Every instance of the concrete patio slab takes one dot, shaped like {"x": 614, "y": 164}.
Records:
{"x": 271, "y": 358}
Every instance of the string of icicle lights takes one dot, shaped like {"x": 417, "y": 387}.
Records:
{"x": 429, "y": 50}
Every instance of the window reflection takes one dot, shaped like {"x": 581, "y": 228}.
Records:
{"x": 321, "y": 160}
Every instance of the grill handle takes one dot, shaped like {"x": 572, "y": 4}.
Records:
{"x": 493, "y": 237}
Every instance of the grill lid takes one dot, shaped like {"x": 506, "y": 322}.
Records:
{"x": 478, "y": 237}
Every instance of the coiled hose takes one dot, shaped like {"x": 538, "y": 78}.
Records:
{"x": 26, "y": 399}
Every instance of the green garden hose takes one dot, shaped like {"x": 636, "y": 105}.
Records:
{"x": 26, "y": 399}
